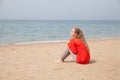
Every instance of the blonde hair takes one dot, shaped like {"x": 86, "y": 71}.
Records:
{"x": 80, "y": 35}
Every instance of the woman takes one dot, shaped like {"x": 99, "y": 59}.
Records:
{"x": 77, "y": 47}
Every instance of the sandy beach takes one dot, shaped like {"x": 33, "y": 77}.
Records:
{"x": 37, "y": 61}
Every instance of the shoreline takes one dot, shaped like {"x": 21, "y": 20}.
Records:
{"x": 54, "y": 41}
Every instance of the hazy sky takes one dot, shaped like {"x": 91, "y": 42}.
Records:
{"x": 60, "y": 9}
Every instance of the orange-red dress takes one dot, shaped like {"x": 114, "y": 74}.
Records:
{"x": 78, "y": 47}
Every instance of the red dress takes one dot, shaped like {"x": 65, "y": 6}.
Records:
{"x": 80, "y": 50}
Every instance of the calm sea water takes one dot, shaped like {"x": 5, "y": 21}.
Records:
{"x": 26, "y": 31}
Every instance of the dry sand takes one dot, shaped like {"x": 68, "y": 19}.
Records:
{"x": 38, "y": 62}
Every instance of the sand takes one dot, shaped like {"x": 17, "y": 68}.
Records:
{"x": 38, "y": 62}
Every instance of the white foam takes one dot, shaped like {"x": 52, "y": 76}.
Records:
{"x": 40, "y": 42}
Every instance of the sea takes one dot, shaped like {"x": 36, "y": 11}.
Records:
{"x": 44, "y": 31}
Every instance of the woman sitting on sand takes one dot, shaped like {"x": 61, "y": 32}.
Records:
{"x": 77, "y": 48}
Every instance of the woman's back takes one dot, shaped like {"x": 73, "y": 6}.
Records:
{"x": 78, "y": 47}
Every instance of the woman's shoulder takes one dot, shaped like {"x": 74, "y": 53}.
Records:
{"x": 73, "y": 39}
{"x": 77, "y": 40}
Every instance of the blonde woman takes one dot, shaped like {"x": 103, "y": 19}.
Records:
{"x": 77, "y": 47}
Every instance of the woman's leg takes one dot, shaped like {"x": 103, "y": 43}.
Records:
{"x": 65, "y": 55}
{"x": 73, "y": 56}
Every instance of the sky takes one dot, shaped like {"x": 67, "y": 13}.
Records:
{"x": 60, "y": 9}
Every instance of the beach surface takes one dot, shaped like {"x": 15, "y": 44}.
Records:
{"x": 37, "y": 61}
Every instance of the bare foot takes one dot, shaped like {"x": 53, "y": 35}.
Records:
{"x": 59, "y": 61}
